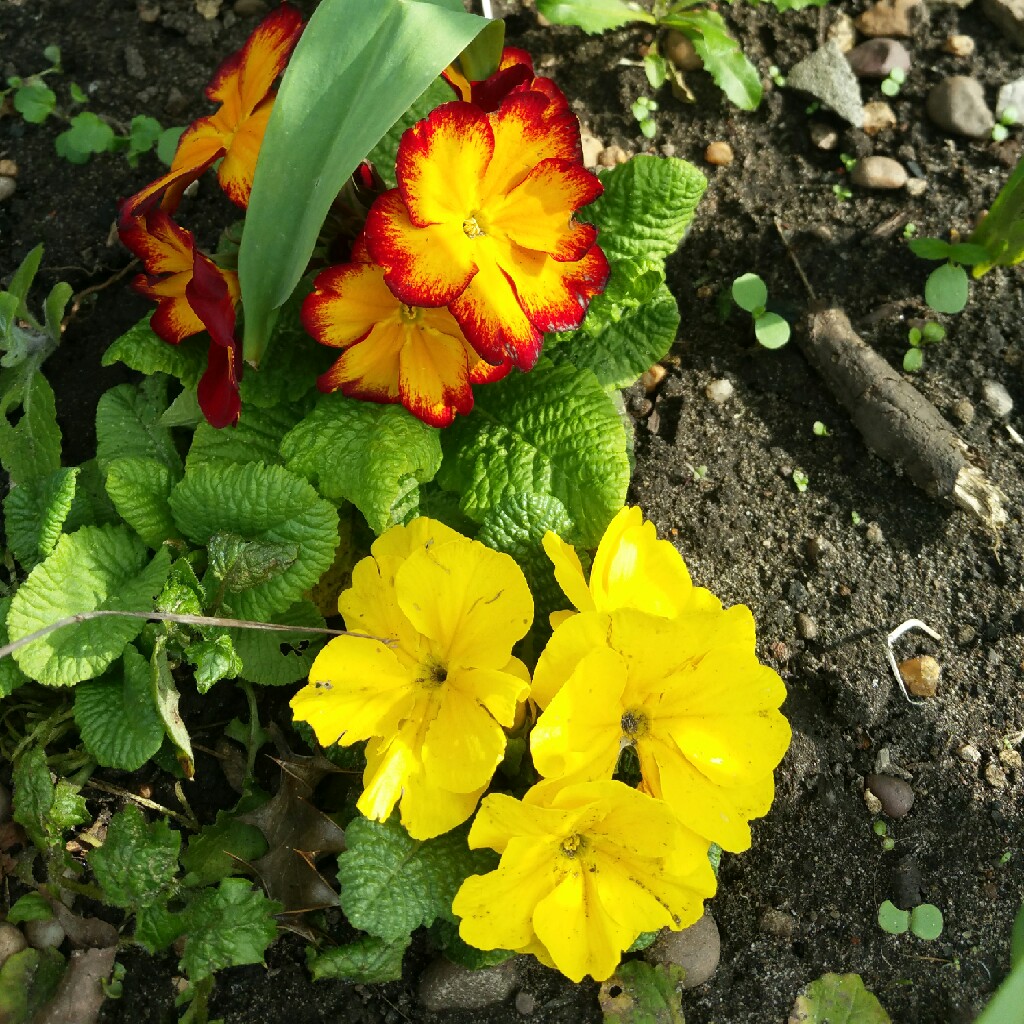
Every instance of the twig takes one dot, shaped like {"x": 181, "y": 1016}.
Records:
{"x": 151, "y": 805}
{"x": 76, "y": 299}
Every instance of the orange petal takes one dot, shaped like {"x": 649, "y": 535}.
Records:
{"x": 238, "y": 167}
{"x": 555, "y": 295}
{"x": 369, "y": 369}
{"x": 346, "y": 302}
{"x": 434, "y": 378}
{"x": 163, "y": 246}
{"x": 174, "y": 319}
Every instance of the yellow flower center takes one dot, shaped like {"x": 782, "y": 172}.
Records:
{"x": 634, "y": 725}
{"x": 410, "y": 314}
{"x": 472, "y": 226}
{"x": 573, "y": 847}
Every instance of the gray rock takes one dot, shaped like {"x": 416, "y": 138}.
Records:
{"x": 1011, "y": 95}
{"x": 696, "y": 949}
{"x": 11, "y": 941}
{"x": 447, "y": 986}
{"x": 526, "y": 1003}
{"x": 8, "y": 186}
{"x": 134, "y": 63}
{"x": 996, "y": 398}
{"x": 828, "y": 77}
{"x": 44, "y": 934}
{"x": 1008, "y": 17}
{"x": 777, "y": 923}
{"x": 879, "y": 172}
{"x": 896, "y": 796}
{"x": 957, "y": 105}
{"x": 877, "y": 57}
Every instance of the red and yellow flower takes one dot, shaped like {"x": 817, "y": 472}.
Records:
{"x": 515, "y": 74}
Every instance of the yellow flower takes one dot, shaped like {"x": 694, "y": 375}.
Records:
{"x": 432, "y": 684}
{"x": 584, "y": 870}
{"x": 688, "y": 694}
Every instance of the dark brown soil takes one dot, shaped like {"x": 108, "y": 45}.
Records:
{"x": 858, "y": 552}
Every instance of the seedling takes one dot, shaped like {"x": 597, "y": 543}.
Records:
{"x": 800, "y": 480}
{"x": 643, "y": 110}
{"x": 777, "y": 76}
{"x": 930, "y": 334}
{"x": 893, "y": 82}
{"x": 855, "y": 518}
{"x": 749, "y": 292}
{"x": 32, "y": 98}
{"x": 849, "y": 162}
{"x": 945, "y": 291}
{"x": 820, "y": 430}
{"x": 882, "y": 831}
{"x": 909, "y": 230}
{"x": 924, "y": 921}
{"x": 1007, "y": 119}
{"x": 842, "y": 193}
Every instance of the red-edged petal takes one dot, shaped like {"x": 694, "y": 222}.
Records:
{"x": 487, "y": 95}
{"x": 346, "y": 303}
{"x": 434, "y": 373}
{"x": 238, "y": 167}
{"x": 369, "y": 369}
{"x": 165, "y": 190}
{"x": 174, "y": 319}
{"x": 217, "y": 392}
{"x": 483, "y": 372}
{"x": 163, "y": 246}
{"x": 211, "y": 293}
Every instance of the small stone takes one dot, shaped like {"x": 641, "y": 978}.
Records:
{"x": 12, "y": 941}
{"x": 921, "y": 675}
{"x": 592, "y": 146}
{"x": 719, "y": 391}
{"x": 957, "y": 105}
{"x": 447, "y": 986}
{"x": 872, "y": 803}
{"x": 916, "y": 187}
{"x": 209, "y": 9}
{"x": 1011, "y": 96}
{"x": 148, "y": 12}
{"x": 824, "y": 136}
{"x": 613, "y": 156}
{"x": 818, "y": 549}
{"x": 806, "y": 627}
{"x": 250, "y": 8}
{"x": 879, "y": 172}
{"x": 963, "y": 411}
{"x": 134, "y": 63}
{"x": 719, "y": 153}
{"x": 43, "y": 934}
{"x": 896, "y": 796}
{"x": 995, "y": 776}
{"x": 970, "y": 754}
{"x": 843, "y": 32}
{"x": 996, "y": 398}
{"x": 8, "y": 186}
{"x": 8, "y": 169}
{"x": 176, "y": 103}
{"x": 681, "y": 52}
{"x": 696, "y": 949}
{"x": 890, "y": 18}
{"x": 1008, "y": 17}
{"x": 874, "y": 534}
{"x": 827, "y": 76}
{"x": 526, "y": 1003}
{"x": 959, "y": 46}
{"x": 878, "y": 117}
{"x": 877, "y": 57}
{"x": 777, "y": 923}
{"x": 1011, "y": 759}
{"x": 652, "y": 377}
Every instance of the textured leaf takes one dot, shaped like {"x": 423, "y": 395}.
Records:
{"x": 593, "y": 16}
{"x": 647, "y": 206}
{"x": 128, "y": 425}
{"x": 166, "y": 697}
{"x": 156, "y": 927}
{"x": 45, "y": 810}
{"x": 391, "y": 883}
{"x": 116, "y": 716}
{"x": 11, "y": 677}
{"x": 138, "y": 862}
{"x": 214, "y": 659}
{"x": 33, "y": 906}
{"x": 221, "y": 849}
{"x": 35, "y": 513}
{"x": 723, "y": 59}
{"x": 279, "y": 659}
{"x": 368, "y": 961}
{"x": 514, "y": 444}
{"x": 139, "y": 489}
{"x": 375, "y": 456}
{"x": 239, "y": 564}
{"x": 92, "y": 505}
{"x": 639, "y": 993}
{"x": 141, "y": 349}
{"x": 256, "y": 438}
{"x": 30, "y": 448}
{"x": 99, "y": 567}
{"x": 27, "y": 982}
{"x": 837, "y": 999}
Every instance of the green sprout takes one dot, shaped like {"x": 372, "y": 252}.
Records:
{"x": 930, "y": 334}
{"x": 855, "y": 518}
{"x": 820, "y": 430}
{"x": 800, "y": 480}
{"x": 749, "y": 292}
{"x": 924, "y": 921}
{"x": 849, "y": 162}
{"x": 32, "y": 98}
{"x": 777, "y": 76}
{"x": 945, "y": 291}
{"x": 1007, "y": 119}
{"x": 842, "y": 193}
{"x": 909, "y": 230}
{"x": 893, "y": 82}
{"x": 643, "y": 110}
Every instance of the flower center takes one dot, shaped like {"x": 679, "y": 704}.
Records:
{"x": 634, "y": 725}
{"x": 472, "y": 227}
{"x": 572, "y": 847}
{"x": 433, "y": 674}
{"x": 410, "y": 314}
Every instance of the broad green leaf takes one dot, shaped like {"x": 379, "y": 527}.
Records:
{"x": 88, "y": 133}
{"x": 446, "y": 935}
{"x": 141, "y": 349}
{"x": 156, "y": 927}
{"x": 28, "y": 980}
{"x": 139, "y": 489}
{"x": 256, "y": 438}
{"x": 222, "y": 849}
{"x": 35, "y": 102}
{"x": 237, "y": 564}
{"x": 375, "y": 456}
{"x": 22, "y": 278}
{"x": 1001, "y": 231}
{"x": 97, "y": 568}
{"x": 35, "y": 513}
{"x": 391, "y": 883}
{"x": 771, "y": 330}
{"x": 116, "y": 716}
{"x": 838, "y": 999}
{"x": 593, "y": 16}
{"x": 227, "y": 927}
{"x": 642, "y": 993}
{"x": 92, "y": 505}
{"x": 369, "y": 961}
{"x": 11, "y": 677}
{"x": 926, "y": 921}
{"x": 30, "y": 448}
{"x": 723, "y": 59}
{"x": 356, "y": 69}
{"x": 127, "y": 425}
{"x": 33, "y": 906}
{"x": 647, "y": 206}
{"x": 968, "y": 253}
{"x": 138, "y": 862}
{"x": 166, "y": 698}
{"x": 946, "y": 288}
{"x": 45, "y": 810}
{"x": 278, "y": 659}
{"x": 143, "y": 136}
{"x": 551, "y": 432}
{"x": 1017, "y": 939}
{"x": 266, "y": 504}
{"x": 213, "y": 659}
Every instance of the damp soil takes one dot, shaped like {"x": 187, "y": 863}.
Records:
{"x": 829, "y": 571}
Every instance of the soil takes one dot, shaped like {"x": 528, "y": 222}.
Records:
{"x": 828, "y": 571}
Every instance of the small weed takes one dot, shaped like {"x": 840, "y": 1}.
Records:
{"x": 945, "y": 291}
{"x": 749, "y": 292}
{"x": 1007, "y": 119}
{"x": 842, "y": 193}
{"x": 801, "y": 480}
{"x": 848, "y": 162}
{"x": 855, "y": 518}
{"x": 924, "y": 921}
{"x": 930, "y": 334}
{"x": 777, "y": 76}
{"x": 643, "y": 110}
{"x": 909, "y": 230}
{"x": 893, "y": 82}
{"x": 820, "y": 430}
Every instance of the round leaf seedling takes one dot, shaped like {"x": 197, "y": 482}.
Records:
{"x": 926, "y": 921}
{"x": 893, "y": 920}
{"x": 946, "y": 289}
{"x": 749, "y": 292}
{"x": 771, "y": 330}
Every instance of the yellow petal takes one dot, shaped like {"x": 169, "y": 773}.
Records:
{"x": 502, "y": 818}
{"x": 463, "y": 744}
{"x": 569, "y": 645}
{"x": 501, "y": 692}
{"x": 569, "y": 572}
{"x": 429, "y": 811}
{"x": 389, "y": 765}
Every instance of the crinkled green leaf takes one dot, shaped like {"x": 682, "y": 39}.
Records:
{"x": 838, "y": 999}
{"x": 446, "y": 935}
{"x": 237, "y": 563}
{"x": 796, "y": 5}
{"x": 139, "y": 489}
{"x": 375, "y": 456}
{"x": 222, "y": 849}
{"x": 551, "y": 432}
{"x": 227, "y": 927}
{"x": 27, "y": 982}
{"x": 261, "y": 503}
{"x": 116, "y": 716}
{"x": 166, "y": 698}
{"x": 647, "y": 206}
{"x": 593, "y": 16}
{"x": 35, "y": 513}
{"x": 642, "y": 993}
{"x": 11, "y": 677}
{"x": 143, "y": 350}
{"x": 182, "y": 594}
{"x": 31, "y": 447}
{"x": 391, "y": 883}
{"x": 99, "y": 567}
{"x": 45, "y": 810}
{"x": 92, "y": 505}
{"x": 369, "y": 961}
{"x": 33, "y": 906}
{"x": 138, "y": 862}
{"x": 128, "y": 425}
{"x": 214, "y": 659}
{"x": 278, "y": 659}
{"x": 256, "y": 438}
{"x": 156, "y": 927}
{"x": 723, "y": 59}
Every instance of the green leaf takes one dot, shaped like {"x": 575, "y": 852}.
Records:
{"x": 54, "y": 306}
{"x": 34, "y": 515}
{"x": 141, "y": 349}
{"x": 279, "y": 659}
{"x": 214, "y": 659}
{"x": 166, "y": 698}
{"x": 913, "y": 360}
{"x": 239, "y": 564}
{"x": 515, "y": 443}
{"x": 593, "y": 16}
{"x": 92, "y": 505}
{"x": 369, "y": 961}
{"x": 356, "y": 69}
{"x": 723, "y": 59}
{"x": 156, "y": 927}
{"x": 968, "y": 254}
{"x": 749, "y": 292}
{"x": 391, "y": 883}
{"x": 946, "y": 288}
{"x": 35, "y": 102}
{"x": 128, "y": 425}
{"x": 11, "y": 677}
{"x": 644, "y": 994}
{"x": 647, "y": 206}
{"x": 926, "y": 921}
{"x": 99, "y": 567}
{"x": 930, "y": 248}
{"x": 31, "y": 448}
{"x": 21, "y": 280}
{"x": 45, "y": 810}
{"x": 256, "y": 438}
{"x": 446, "y": 935}
{"x": 266, "y": 504}
{"x": 228, "y": 926}
{"x": 891, "y": 919}
{"x": 139, "y": 489}
{"x": 77, "y": 93}
{"x": 88, "y": 134}
{"x": 28, "y": 981}
{"x": 375, "y": 456}
{"x": 167, "y": 144}
{"x": 138, "y": 862}
{"x": 33, "y": 906}
{"x": 116, "y": 716}
{"x": 143, "y": 135}
{"x": 1001, "y": 231}
{"x": 1017, "y": 939}
{"x": 838, "y": 999}
{"x": 222, "y": 849}
{"x": 771, "y": 330}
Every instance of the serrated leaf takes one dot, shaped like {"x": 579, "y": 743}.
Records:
{"x": 375, "y": 456}
{"x": 260, "y": 503}
{"x": 35, "y": 513}
{"x": 97, "y": 568}
{"x": 138, "y": 862}
{"x": 593, "y": 16}
{"x": 391, "y": 883}
{"x": 513, "y": 444}
{"x": 647, "y": 206}
{"x": 92, "y": 505}
{"x": 237, "y": 563}
{"x": 642, "y": 993}
{"x": 30, "y": 448}
{"x": 139, "y": 489}
{"x": 156, "y": 927}
{"x": 213, "y": 659}
{"x": 141, "y": 349}
{"x": 228, "y": 926}
{"x": 723, "y": 59}
{"x": 128, "y": 425}
{"x": 256, "y": 438}
{"x": 27, "y": 982}
{"x": 838, "y": 999}
{"x": 279, "y": 659}
{"x": 221, "y": 849}
{"x": 116, "y": 716}
{"x": 33, "y": 906}
{"x": 368, "y": 961}
{"x": 35, "y": 102}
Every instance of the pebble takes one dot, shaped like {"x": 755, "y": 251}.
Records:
{"x": 526, "y": 1003}
{"x": 921, "y": 675}
{"x": 877, "y": 57}
{"x": 874, "y": 534}
{"x": 134, "y": 63}
{"x": 878, "y": 117}
{"x": 843, "y": 32}
{"x": 1008, "y": 17}
{"x": 957, "y": 105}
{"x": 696, "y": 949}
{"x": 1011, "y": 759}
{"x": 680, "y": 51}
{"x": 777, "y": 923}
{"x": 245, "y": 8}
{"x": 1011, "y": 95}
{"x": 209, "y": 9}
{"x": 963, "y": 411}
{"x": 890, "y": 18}
{"x": 995, "y": 776}
{"x": 959, "y": 46}
{"x": 12, "y": 941}
{"x": 719, "y": 153}
{"x": 828, "y": 77}
{"x": 996, "y": 398}
{"x": 447, "y": 986}
{"x": 818, "y": 549}
{"x": 879, "y": 172}
{"x": 8, "y": 168}
{"x": 719, "y": 391}
{"x": 592, "y": 146}
{"x": 896, "y": 796}
{"x": 916, "y": 187}
{"x": 8, "y": 186}
{"x": 824, "y": 136}
{"x": 613, "y": 156}
{"x": 44, "y": 934}
{"x": 148, "y": 12}
{"x": 806, "y": 627}
{"x": 969, "y": 753}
